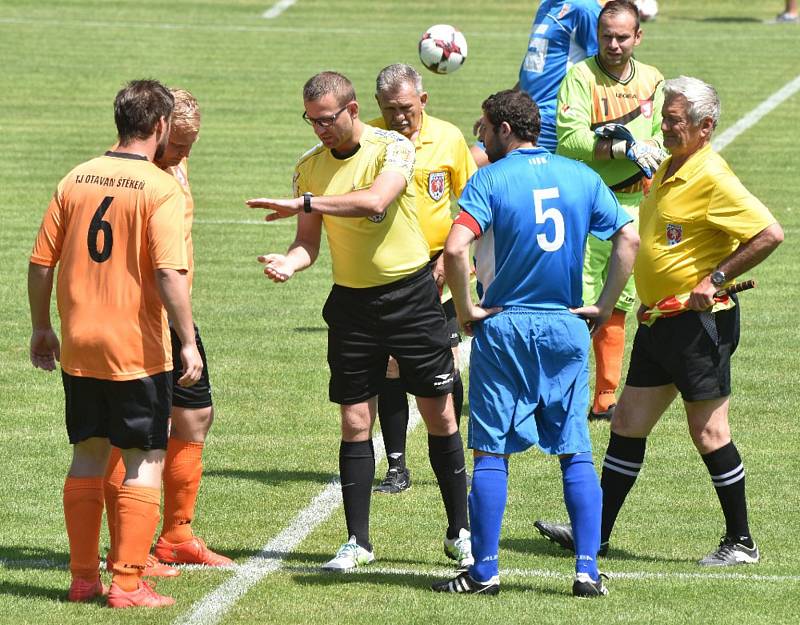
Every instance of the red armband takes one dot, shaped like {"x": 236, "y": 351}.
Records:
{"x": 468, "y": 221}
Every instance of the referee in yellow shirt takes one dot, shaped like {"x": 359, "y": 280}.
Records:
{"x": 384, "y": 302}
{"x": 699, "y": 228}
{"x": 443, "y": 165}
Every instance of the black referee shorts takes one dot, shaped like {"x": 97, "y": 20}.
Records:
{"x": 132, "y": 414}
{"x": 403, "y": 319}
{"x": 680, "y": 350}
{"x": 198, "y": 395}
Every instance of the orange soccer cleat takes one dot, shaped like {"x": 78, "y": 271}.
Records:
{"x": 192, "y": 551}
{"x": 81, "y": 590}
{"x": 143, "y": 597}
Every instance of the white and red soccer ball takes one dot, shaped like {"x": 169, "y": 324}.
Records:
{"x": 648, "y": 9}
{"x": 442, "y": 49}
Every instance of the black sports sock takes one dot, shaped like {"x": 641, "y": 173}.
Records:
{"x": 727, "y": 474}
{"x": 621, "y": 466}
{"x": 458, "y": 397}
{"x": 357, "y": 470}
{"x": 393, "y": 417}
{"x": 446, "y": 454}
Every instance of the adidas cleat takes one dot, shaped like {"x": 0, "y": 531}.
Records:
{"x": 349, "y": 557}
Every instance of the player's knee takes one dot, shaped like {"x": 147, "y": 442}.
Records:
{"x": 709, "y": 436}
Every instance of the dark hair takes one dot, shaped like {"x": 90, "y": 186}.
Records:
{"x": 329, "y": 82}
{"x": 615, "y": 7}
{"x": 138, "y": 107}
{"x": 517, "y": 109}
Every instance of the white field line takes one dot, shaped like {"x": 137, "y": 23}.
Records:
{"x": 770, "y": 34}
{"x": 278, "y": 8}
{"x": 214, "y": 605}
{"x": 754, "y": 116}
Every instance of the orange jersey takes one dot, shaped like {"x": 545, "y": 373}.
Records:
{"x": 113, "y": 221}
{"x": 181, "y": 173}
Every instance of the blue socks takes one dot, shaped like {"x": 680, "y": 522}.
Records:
{"x": 584, "y": 501}
{"x": 487, "y": 503}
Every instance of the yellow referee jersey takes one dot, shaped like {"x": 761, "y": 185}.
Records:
{"x": 367, "y": 251}
{"x": 443, "y": 166}
{"x": 690, "y": 222}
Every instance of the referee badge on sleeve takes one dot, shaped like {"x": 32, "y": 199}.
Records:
{"x": 436, "y": 185}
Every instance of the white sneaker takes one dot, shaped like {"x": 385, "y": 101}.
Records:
{"x": 460, "y": 549}
{"x": 349, "y": 557}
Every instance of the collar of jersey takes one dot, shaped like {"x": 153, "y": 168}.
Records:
{"x": 135, "y": 157}
{"x": 695, "y": 162}
{"x": 524, "y": 151}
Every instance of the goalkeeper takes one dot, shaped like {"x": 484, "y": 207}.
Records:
{"x": 609, "y": 116}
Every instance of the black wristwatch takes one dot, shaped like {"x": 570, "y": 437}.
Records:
{"x": 718, "y": 278}
{"x": 307, "y": 201}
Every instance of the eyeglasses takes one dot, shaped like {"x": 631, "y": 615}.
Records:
{"x": 323, "y": 122}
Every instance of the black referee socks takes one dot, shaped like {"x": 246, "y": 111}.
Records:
{"x": 357, "y": 470}
{"x": 621, "y": 465}
{"x": 727, "y": 474}
{"x": 446, "y": 454}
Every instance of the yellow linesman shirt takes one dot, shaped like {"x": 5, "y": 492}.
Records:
{"x": 443, "y": 166}
{"x": 376, "y": 250}
{"x": 690, "y": 222}
{"x": 181, "y": 173}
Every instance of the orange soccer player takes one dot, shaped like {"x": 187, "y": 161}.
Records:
{"x": 115, "y": 228}
{"x": 192, "y": 409}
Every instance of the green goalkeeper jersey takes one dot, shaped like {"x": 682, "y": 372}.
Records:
{"x": 590, "y": 97}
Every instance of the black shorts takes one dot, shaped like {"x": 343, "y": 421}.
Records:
{"x": 132, "y": 414}
{"x": 199, "y": 394}
{"x": 452, "y": 323}
{"x": 681, "y": 351}
{"x": 403, "y": 319}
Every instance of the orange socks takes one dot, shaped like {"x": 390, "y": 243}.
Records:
{"x": 115, "y": 475}
{"x": 609, "y": 347}
{"x": 83, "y": 513}
{"x": 137, "y": 519}
{"x": 183, "y": 469}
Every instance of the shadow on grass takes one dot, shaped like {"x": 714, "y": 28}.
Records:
{"x": 19, "y": 589}
{"x": 311, "y": 329}
{"x": 542, "y": 547}
{"x": 273, "y": 476}
{"x": 27, "y": 557}
{"x": 411, "y": 581}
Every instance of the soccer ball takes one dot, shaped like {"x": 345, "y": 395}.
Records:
{"x": 648, "y": 9}
{"x": 442, "y": 49}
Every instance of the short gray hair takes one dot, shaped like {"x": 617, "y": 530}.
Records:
{"x": 392, "y": 77}
{"x": 702, "y": 98}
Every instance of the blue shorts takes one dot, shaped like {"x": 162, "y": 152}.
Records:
{"x": 529, "y": 383}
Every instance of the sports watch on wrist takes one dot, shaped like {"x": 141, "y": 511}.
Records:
{"x": 718, "y": 278}
{"x": 307, "y": 201}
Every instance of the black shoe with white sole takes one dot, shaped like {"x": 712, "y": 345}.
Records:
{"x": 465, "y": 585}
{"x": 585, "y": 586}
{"x": 732, "y": 551}
{"x": 561, "y": 534}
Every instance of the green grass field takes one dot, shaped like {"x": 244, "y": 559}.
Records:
{"x": 273, "y": 447}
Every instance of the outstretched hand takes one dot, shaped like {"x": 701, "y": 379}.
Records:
{"x": 282, "y": 208}
{"x": 277, "y": 267}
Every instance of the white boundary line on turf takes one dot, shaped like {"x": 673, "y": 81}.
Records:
{"x": 277, "y": 8}
{"x": 214, "y": 605}
{"x": 753, "y": 117}
{"x": 211, "y": 608}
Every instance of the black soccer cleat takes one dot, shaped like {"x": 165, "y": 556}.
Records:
{"x": 605, "y": 415}
{"x": 561, "y": 534}
{"x": 464, "y": 584}
{"x": 731, "y": 551}
{"x": 585, "y": 586}
{"x": 396, "y": 481}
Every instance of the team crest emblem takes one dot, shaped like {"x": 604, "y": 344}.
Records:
{"x": 646, "y": 107}
{"x": 376, "y": 219}
{"x": 674, "y": 234}
{"x": 436, "y": 185}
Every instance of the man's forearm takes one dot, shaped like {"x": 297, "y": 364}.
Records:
{"x": 752, "y": 252}
{"x": 625, "y": 245}
{"x": 40, "y": 288}
{"x": 173, "y": 287}
{"x": 456, "y": 268}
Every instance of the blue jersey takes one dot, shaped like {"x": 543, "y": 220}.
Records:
{"x": 562, "y": 34}
{"x": 535, "y": 211}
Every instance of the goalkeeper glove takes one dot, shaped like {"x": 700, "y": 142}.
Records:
{"x": 646, "y": 156}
